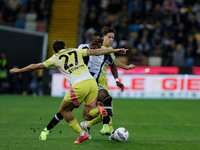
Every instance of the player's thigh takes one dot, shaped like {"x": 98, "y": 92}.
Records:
{"x": 91, "y": 98}
{"x": 66, "y": 106}
{"x": 77, "y": 93}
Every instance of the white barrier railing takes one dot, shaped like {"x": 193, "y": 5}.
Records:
{"x": 143, "y": 86}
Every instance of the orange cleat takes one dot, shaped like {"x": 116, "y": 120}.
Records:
{"x": 102, "y": 111}
{"x": 82, "y": 138}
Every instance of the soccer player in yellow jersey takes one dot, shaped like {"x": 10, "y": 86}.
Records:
{"x": 103, "y": 95}
{"x": 83, "y": 86}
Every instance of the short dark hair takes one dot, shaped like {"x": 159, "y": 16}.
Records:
{"x": 96, "y": 34}
{"x": 58, "y": 45}
{"x": 106, "y": 30}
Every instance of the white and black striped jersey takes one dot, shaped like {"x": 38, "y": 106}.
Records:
{"x": 97, "y": 63}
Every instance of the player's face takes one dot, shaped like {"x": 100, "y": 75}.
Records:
{"x": 108, "y": 39}
{"x": 96, "y": 43}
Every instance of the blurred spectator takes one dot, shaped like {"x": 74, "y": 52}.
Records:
{"x": 103, "y": 19}
{"x": 197, "y": 6}
{"x": 166, "y": 38}
{"x": 178, "y": 56}
{"x": 87, "y": 35}
{"x": 168, "y": 22}
{"x": 43, "y": 10}
{"x": 136, "y": 15}
{"x": 157, "y": 14}
{"x": 36, "y": 83}
{"x": 124, "y": 15}
{"x": 192, "y": 25}
{"x": 91, "y": 21}
{"x": 123, "y": 31}
{"x": 190, "y": 12}
{"x": 32, "y": 6}
{"x": 180, "y": 38}
{"x": 133, "y": 3}
{"x": 191, "y": 46}
{"x": 169, "y": 7}
{"x": 180, "y": 28}
{"x": 10, "y": 11}
{"x": 144, "y": 47}
{"x": 158, "y": 29}
{"x": 157, "y": 51}
{"x": 167, "y": 53}
{"x": 156, "y": 41}
{"x": 179, "y": 16}
{"x": 148, "y": 6}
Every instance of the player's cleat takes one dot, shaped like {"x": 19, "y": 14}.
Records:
{"x": 105, "y": 131}
{"x": 43, "y": 135}
{"x": 82, "y": 138}
{"x": 85, "y": 128}
{"x": 102, "y": 111}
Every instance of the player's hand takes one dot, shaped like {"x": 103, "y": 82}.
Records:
{"x": 131, "y": 66}
{"x": 14, "y": 70}
{"x": 121, "y": 86}
{"x": 121, "y": 50}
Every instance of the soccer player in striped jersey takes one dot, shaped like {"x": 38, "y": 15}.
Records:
{"x": 83, "y": 86}
{"x": 103, "y": 95}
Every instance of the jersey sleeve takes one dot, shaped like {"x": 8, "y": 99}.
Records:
{"x": 80, "y": 46}
{"x": 83, "y": 52}
{"x": 49, "y": 62}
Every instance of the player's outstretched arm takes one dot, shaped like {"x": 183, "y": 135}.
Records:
{"x": 124, "y": 66}
{"x": 105, "y": 51}
{"x": 30, "y": 67}
{"x": 115, "y": 75}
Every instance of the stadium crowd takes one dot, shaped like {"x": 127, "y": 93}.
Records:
{"x": 160, "y": 29}
{"x": 25, "y": 14}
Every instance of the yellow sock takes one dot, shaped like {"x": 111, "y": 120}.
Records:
{"x": 95, "y": 121}
{"x": 110, "y": 125}
{"x": 75, "y": 126}
{"x": 94, "y": 112}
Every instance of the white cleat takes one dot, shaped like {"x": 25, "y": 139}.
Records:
{"x": 86, "y": 128}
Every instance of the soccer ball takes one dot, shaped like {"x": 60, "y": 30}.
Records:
{"x": 121, "y": 134}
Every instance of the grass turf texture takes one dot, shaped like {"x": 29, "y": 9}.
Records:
{"x": 152, "y": 125}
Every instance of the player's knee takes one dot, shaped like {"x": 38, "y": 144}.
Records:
{"x": 107, "y": 101}
{"x": 86, "y": 117}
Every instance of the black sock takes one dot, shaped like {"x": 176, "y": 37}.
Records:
{"x": 106, "y": 119}
{"x": 56, "y": 119}
{"x": 108, "y": 106}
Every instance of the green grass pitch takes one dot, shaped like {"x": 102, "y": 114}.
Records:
{"x": 152, "y": 125}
